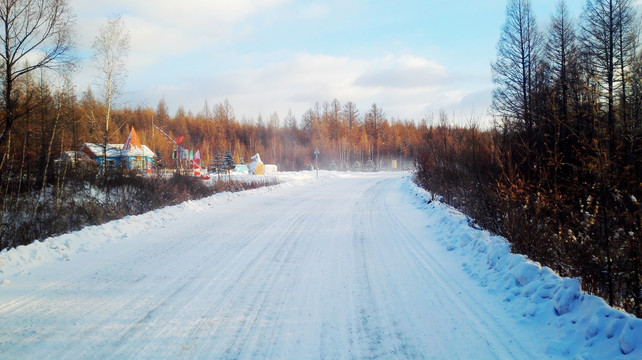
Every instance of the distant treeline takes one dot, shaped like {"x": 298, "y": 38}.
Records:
{"x": 560, "y": 174}
{"x": 55, "y": 121}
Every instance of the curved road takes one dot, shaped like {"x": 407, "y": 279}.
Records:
{"x": 338, "y": 269}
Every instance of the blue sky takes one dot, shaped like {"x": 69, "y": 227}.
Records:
{"x": 413, "y": 58}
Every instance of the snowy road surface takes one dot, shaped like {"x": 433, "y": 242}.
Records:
{"x": 341, "y": 268}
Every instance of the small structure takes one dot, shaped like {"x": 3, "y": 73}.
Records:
{"x": 270, "y": 169}
{"x": 132, "y": 155}
{"x": 241, "y": 169}
{"x": 256, "y": 166}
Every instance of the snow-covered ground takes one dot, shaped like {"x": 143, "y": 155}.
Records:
{"x": 346, "y": 266}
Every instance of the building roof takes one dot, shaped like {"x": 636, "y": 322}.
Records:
{"x": 118, "y": 150}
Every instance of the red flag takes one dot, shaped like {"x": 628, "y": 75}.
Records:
{"x": 179, "y": 140}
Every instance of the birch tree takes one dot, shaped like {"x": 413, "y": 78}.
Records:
{"x": 111, "y": 47}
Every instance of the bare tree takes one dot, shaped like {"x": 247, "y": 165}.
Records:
{"x": 608, "y": 35}
{"x": 334, "y": 120}
{"x": 561, "y": 51}
{"x": 111, "y": 48}
{"x": 351, "y": 113}
{"x": 162, "y": 114}
{"x": 373, "y": 122}
{"x": 290, "y": 122}
{"x": 515, "y": 74}
{"x": 518, "y": 52}
{"x": 35, "y": 30}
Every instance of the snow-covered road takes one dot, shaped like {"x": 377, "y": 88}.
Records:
{"x": 342, "y": 268}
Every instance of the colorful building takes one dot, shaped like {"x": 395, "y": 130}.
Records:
{"x": 132, "y": 155}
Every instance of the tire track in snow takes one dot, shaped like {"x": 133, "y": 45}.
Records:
{"x": 335, "y": 270}
{"x": 242, "y": 266}
{"x": 146, "y": 301}
{"x": 377, "y": 326}
{"x": 65, "y": 294}
{"x": 304, "y": 233}
{"x": 270, "y": 272}
{"x": 431, "y": 268}
{"x": 235, "y": 296}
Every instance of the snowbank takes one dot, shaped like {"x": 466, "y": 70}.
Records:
{"x": 586, "y": 326}
{"x": 22, "y": 259}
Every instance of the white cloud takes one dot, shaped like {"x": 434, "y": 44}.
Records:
{"x": 404, "y": 72}
{"x": 164, "y": 33}
{"x": 168, "y": 27}
{"x": 186, "y": 13}
{"x": 294, "y": 83}
{"x": 144, "y": 52}
{"x": 190, "y": 51}
{"x": 299, "y": 82}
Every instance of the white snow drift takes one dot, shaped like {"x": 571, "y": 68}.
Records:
{"x": 586, "y": 327}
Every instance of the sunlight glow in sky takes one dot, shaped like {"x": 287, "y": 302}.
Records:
{"x": 412, "y": 58}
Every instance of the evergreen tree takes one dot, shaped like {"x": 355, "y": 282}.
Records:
{"x": 333, "y": 165}
{"x": 228, "y": 162}
{"x": 370, "y": 165}
{"x": 356, "y": 166}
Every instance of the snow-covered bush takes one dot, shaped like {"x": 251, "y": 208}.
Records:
{"x": 95, "y": 200}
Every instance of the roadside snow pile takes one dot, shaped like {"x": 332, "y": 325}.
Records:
{"x": 585, "y": 326}
{"x": 20, "y": 260}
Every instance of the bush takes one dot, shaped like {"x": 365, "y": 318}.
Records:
{"x": 572, "y": 216}
{"x": 86, "y": 198}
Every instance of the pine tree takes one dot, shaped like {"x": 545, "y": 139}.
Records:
{"x": 228, "y": 162}
{"x": 356, "y": 166}
{"x": 370, "y": 165}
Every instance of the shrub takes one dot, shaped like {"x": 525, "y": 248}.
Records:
{"x": 87, "y": 198}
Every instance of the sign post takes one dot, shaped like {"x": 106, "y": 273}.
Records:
{"x": 316, "y": 161}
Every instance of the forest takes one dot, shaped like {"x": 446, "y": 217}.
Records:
{"x": 55, "y": 122}
{"x": 560, "y": 172}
